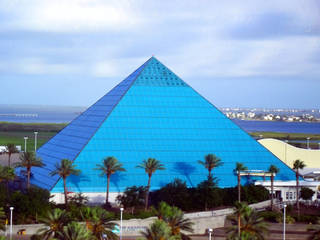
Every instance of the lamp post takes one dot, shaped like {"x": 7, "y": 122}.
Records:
{"x": 121, "y": 211}
{"x": 308, "y": 138}
{"x": 11, "y": 210}
{"x": 284, "y": 221}
{"x": 35, "y": 141}
{"x": 210, "y": 230}
{"x": 25, "y": 144}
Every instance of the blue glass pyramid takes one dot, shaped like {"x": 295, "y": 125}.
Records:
{"x": 152, "y": 113}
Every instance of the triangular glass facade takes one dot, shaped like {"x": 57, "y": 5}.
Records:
{"x": 152, "y": 113}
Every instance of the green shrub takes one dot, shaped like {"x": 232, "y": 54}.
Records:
{"x": 270, "y": 216}
{"x": 306, "y": 193}
{"x": 307, "y": 219}
{"x": 289, "y": 219}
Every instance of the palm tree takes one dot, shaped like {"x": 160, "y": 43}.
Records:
{"x": 211, "y": 162}
{"x": 2, "y": 219}
{"x": 6, "y": 174}
{"x": 64, "y": 170}
{"x": 297, "y": 165}
{"x": 75, "y": 231}
{"x": 10, "y": 148}
{"x": 315, "y": 233}
{"x": 273, "y": 170}
{"x": 98, "y": 221}
{"x": 150, "y": 166}
{"x": 239, "y": 167}
{"x": 53, "y": 222}
{"x": 29, "y": 160}
{"x": 110, "y": 166}
{"x": 158, "y": 230}
{"x": 252, "y": 226}
{"x": 174, "y": 217}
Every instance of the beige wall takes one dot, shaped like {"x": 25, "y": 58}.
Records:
{"x": 288, "y": 153}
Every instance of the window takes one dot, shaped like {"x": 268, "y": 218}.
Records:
{"x": 287, "y": 195}
{"x": 290, "y": 195}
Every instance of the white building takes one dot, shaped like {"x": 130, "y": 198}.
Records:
{"x": 286, "y": 190}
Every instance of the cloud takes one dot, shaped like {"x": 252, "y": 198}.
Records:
{"x": 69, "y": 16}
{"x": 37, "y": 66}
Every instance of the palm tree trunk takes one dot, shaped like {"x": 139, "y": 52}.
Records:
{"x": 107, "y": 194}
{"x": 65, "y": 192}
{"x": 147, "y": 193}
{"x": 28, "y": 177}
{"x": 272, "y": 192}
{"x": 297, "y": 194}
{"x": 239, "y": 187}
{"x": 9, "y": 160}
{"x": 209, "y": 173}
{"x": 239, "y": 225}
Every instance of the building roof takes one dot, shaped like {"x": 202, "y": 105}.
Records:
{"x": 288, "y": 153}
{"x": 152, "y": 114}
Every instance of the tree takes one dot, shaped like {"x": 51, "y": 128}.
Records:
{"x": 239, "y": 167}
{"x": 64, "y": 170}
{"x": 297, "y": 165}
{"x": 208, "y": 195}
{"x": 315, "y": 233}
{"x": 150, "y": 166}
{"x": 273, "y": 170}
{"x": 158, "y": 230}
{"x": 75, "y": 231}
{"x": 98, "y": 221}
{"x": 6, "y": 174}
{"x": 172, "y": 193}
{"x": 211, "y": 162}
{"x": 10, "y": 149}
{"x": 2, "y": 219}
{"x": 110, "y": 166}
{"x": 29, "y": 160}
{"x": 53, "y": 222}
{"x": 252, "y": 225}
{"x": 132, "y": 197}
{"x": 306, "y": 193}
{"x": 174, "y": 217}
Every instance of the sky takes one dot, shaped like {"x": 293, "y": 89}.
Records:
{"x": 235, "y": 53}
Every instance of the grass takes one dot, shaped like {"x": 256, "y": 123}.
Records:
{"x": 14, "y": 132}
{"x": 17, "y": 138}
{"x": 286, "y": 136}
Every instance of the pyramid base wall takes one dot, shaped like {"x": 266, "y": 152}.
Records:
{"x": 96, "y": 198}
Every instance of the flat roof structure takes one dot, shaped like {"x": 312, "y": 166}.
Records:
{"x": 152, "y": 114}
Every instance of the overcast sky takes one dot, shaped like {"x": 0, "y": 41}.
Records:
{"x": 235, "y": 53}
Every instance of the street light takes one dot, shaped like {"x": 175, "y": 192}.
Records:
{"x": 25, "y": 144}
{"x": 284, "y": 221}
{"x": 210, "y": 230}
{"x": 35, "y": 141}
{"x": 308, "y": 138}
{"x": 11, "y": 210}
{"x": 121, "y": 211}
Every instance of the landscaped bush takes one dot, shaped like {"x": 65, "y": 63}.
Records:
{"x": 206, "y": 195}
{"x": 30, "y": 205}
{"x": 307, "y": 219}
{"x": 270, "y": 216}
{"x": 289, "y": 219}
